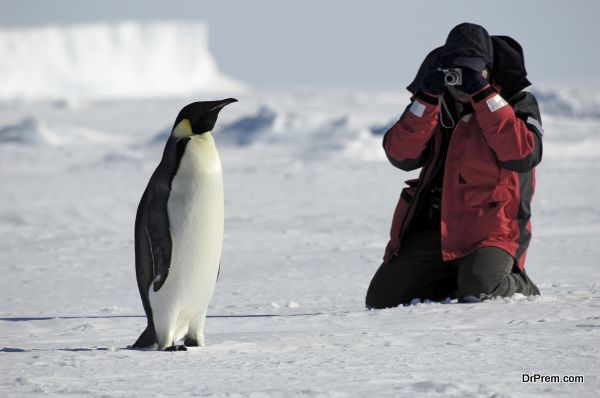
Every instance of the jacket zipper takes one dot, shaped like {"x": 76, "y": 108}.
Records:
{"x": 444, "y": 179}
{"x": 423, "y": 184}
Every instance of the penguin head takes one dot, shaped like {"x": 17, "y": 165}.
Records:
{"x": 198, "y": 117}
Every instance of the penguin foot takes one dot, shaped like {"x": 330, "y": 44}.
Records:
{"x": 176, "y": 348}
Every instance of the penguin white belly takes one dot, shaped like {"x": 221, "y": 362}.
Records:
{"x": 196, "y": 217}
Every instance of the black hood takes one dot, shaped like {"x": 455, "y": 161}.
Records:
{"x": 507, "y": 71}
{"x": 468, "y": 46}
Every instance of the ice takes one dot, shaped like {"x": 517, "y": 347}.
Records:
{"x": 109, "y": 60}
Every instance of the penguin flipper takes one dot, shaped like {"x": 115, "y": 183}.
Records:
{"x": 158, "y": 227}
{"x": 160, "y": 244}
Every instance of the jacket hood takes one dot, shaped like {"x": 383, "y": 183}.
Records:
{"x": 468, "y": 46}
{"x": 508, "y": 72}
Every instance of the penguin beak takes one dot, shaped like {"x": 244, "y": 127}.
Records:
{"x": 221, "y": 104}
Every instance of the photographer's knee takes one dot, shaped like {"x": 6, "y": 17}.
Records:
{"x": 474, "y": 281}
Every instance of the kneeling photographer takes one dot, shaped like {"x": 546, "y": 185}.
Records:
{"x": 461, "y": 230}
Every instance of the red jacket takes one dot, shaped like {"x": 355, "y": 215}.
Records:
{"x": 489, "y": 175}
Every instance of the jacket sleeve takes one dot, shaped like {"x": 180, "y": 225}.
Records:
{"x": 515, "y": 132}
{"x": 406, "y": 142}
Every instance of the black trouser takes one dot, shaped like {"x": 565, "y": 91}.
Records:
{"x": 419, "y": 272}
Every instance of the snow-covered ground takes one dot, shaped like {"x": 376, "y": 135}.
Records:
{"x": 309, "y": 200}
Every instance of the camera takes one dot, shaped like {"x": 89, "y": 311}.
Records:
{"x": 452, "y": 76}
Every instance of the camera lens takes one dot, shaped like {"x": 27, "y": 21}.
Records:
{"x": 451, "y": 78}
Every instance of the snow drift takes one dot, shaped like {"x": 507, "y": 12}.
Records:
{"x": 569, "y": 102}
{"x": 318, "y": 125}
{"x": 29, "y": 132}
{"x": 127, "y": 59}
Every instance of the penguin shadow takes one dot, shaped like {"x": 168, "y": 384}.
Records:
{"x": 13, "y": 350}
{"x": 217, "y": 316}
{"x": 50, "y": 318}
{"x": 16, "y": 350}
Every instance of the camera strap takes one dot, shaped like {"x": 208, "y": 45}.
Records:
{"x": 444, "y": 109}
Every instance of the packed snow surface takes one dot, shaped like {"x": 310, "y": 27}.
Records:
{"x": 309, "y": 198}
{"x": 109, "y": 60}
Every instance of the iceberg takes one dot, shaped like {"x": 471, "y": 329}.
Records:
{"x": 109, "y": 60}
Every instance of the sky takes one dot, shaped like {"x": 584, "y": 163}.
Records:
{"x": 375, "y": 44}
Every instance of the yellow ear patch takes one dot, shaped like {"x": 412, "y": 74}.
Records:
{"x": 183, "y": 129}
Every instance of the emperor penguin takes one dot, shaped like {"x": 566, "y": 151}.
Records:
{"x": 179, "y": 232}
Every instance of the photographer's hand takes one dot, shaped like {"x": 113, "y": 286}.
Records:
{"x": 472, "y": 81}
{"x": 433, "y": 82}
